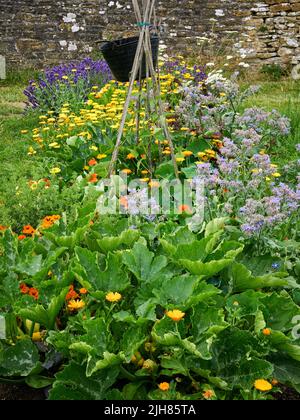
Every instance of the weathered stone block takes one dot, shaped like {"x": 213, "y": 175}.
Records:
{"x": 2, "y": 67}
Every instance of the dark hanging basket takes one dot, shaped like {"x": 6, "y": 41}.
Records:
{"x": 120, "y": 55}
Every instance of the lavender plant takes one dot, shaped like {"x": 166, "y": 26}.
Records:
{"x": 69, "y": 83}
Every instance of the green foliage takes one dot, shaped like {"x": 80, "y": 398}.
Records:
{"x": 118, "y": 347}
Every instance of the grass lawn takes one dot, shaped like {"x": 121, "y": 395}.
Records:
{"x": 285, "y": 97}
{"x": 16, "y": 165}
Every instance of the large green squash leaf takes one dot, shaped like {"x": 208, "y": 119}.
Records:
{"x": 112, "y": 279}
{"x": 142, "y": 263}
{"x": 19, "y": 360}
{"x": 73, "y": 384}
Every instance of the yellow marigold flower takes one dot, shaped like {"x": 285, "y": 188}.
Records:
{"x": 126, "y": 171}
{"x": 24, "y": 131}
{"x": 101, "y": 156}
{"x": 54, "y": 171}
{"x": 94, "y": 148}
{"x": 180, "y": 160}
{"x": 144, "y": 172}
{"x": 201, "y": 154}
{"x": 276, "y": 175}
{"x": 262, "y": 385}
{"x": 75, "y": 305}
{"x": 86, "y": 168}
{"x": 176, "y": 315}
{"x": 166, "y": 152}
{"x": 54, "y": 145}
{"x": 154, "y": 184}
{"x": 184, "y": 129}
{"x": 145, "y": 179}
{"x": 164, "y": 386}
{"x": 266, "y": 331}
{"x": 187, "y": 153}
{"x": 113, "y": 297}
{"x": 31, "y": 151}
{"x": 210, "y": 152}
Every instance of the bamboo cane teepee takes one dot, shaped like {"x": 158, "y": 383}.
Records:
{"x": 145, "y": 14}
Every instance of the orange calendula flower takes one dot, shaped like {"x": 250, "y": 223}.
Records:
{"x": 28, "y": 230}
{"x": 113, "y": 297}
{"x": 274, "y": 382}
{"x": 164, "y": 386}
{"x": 263, "y": 385}
{"x": 176, "y": 315}
{"x": 34, "y": 293}
{"x": 21, "y": 237}
{"x": 92, "y": 162}
{"x": 93, "y": 179}
{"x": 3, "y": 228}
{"x": 208, "y": 394}
{"x": 83, "y": 291}
{"x": 24, "y": 289}
{"x": 124, "y": 201}
{"x": 184, "y": 208}
{"x": 49, "y": 221}
{"x": 76, "y": 305}
{"x": 72, "y": 294}
{"x": 267, "y": 331}
{"x": 130, "y": 156}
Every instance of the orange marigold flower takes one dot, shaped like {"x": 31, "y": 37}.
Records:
{"x": 72, "y": 294}
{"x": 267, "y": 331}
{"x": 208, "y": 394}
{"x": 76, "y": 305}
{"x": 263, "y": 385}
{"x": 92, "y": 162}
{"x": 34, "y": 293}
{"x": 164, "y": 386}
{"x": 93, "y": 178}
{"x": 21, "y": 237}
{"x": 24, "y": 289}
{"x": 176, "y": 315}
{"x": 3, "y": 228}
{"x": 83, "y": 291}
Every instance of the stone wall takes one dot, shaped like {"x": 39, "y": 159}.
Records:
{"x": 44, "y": 32}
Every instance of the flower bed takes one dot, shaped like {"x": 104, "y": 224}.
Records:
{"x": 150, "y": 304}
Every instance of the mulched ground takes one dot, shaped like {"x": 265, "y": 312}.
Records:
{"x": 20, "y": 393}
